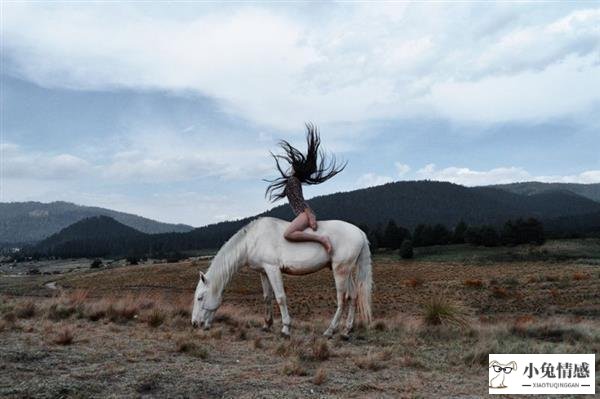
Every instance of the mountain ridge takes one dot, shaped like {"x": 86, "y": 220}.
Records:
{"x": 31, "y": 221}
{"x": 591, "y": 190}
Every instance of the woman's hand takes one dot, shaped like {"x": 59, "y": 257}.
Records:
{"x": 312, "y": 220}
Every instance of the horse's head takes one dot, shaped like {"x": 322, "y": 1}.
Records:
{"x": 206, "y": 303}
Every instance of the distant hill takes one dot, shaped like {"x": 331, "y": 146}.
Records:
{"x": 591, "y": 191}
{"x": 407, "y": 203}
{"x": 22, "y": 222}
{"x": 90, "y": 237}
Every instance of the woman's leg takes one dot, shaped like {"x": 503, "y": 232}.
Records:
{"x": 295, "y": 232}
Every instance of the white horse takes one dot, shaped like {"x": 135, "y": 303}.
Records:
{"x": 261, "y": 246}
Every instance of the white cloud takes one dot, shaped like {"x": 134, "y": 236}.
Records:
{"x": 402, "y": 169}
{"x": 277, "y": 66}
{"x": 587, "y": 177}
{"x": 169, "y": 156}
{"x": 470, "y": 177}
{"x": 19, "y": 164}
{"x": 372, "y": 179}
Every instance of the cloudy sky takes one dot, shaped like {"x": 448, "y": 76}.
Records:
{"x": 169, "y": 110}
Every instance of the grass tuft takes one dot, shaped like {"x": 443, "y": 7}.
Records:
{"x": 25, "y": 310}
{"x": 294, "y": 367}
{"x": 380, "y": 325}
{"x": 413, "y": 282}
{"x": 473, "y": 283}
{"x": 156, "y": 318}
{"x": 122, "y": 311}
{"x": 441, "y": 310}
{"x": 320, "y": 376}
{"x": 257, "y": 343}
{"x": 58, "y": 311}
{"x": 578, "y": 276}
{"x": 369, "y": 362}
{"x": 499, "y": 292}
{"x": 548, "y": 332}
{"x": 320, "y": 350}
{"x": 192, "y": 349}
{"x": 64, "y": 337}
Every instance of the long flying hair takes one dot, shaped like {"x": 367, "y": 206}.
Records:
{"x": 312, "y": 168}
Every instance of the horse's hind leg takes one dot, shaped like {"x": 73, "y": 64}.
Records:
{"x": 268, "y": 296}
{"x": 351, "y": 307}
{"x": 274, "y": 275}
{"x": 340, "y": 274}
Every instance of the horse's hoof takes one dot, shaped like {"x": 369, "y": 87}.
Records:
{"x": 345, "y": 336}
{"x": 266, "y": 328}
{"x": 285, "y": 335}
{"x": 328, "y": 334}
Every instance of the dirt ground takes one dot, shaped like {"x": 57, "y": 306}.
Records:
{"x": 125, "y": 332}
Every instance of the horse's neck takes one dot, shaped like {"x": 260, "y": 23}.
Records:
{"x": 230, "y": 258}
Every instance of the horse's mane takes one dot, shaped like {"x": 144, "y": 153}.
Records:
{"x": 225, "y": 263}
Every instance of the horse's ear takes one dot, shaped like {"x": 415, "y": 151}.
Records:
{"x": 203, "y": 277}
{"x": 513, "y": 365}
{"x": 493, "y": 363}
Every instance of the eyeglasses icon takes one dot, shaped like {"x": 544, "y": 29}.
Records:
{"x": 506, "y": 370}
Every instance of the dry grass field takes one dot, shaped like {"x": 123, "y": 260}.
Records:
{"x": 125, "y": 332}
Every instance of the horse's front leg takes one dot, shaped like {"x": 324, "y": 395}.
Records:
{"x": 268, "y": 296}
{"x": 276, "y": 280}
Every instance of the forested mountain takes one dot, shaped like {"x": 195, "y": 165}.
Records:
{"x": 22, "y": 222}
{"x": 406, "y": 203}
{"x": 413, "y": 202}
{"x": 591, "y": 191}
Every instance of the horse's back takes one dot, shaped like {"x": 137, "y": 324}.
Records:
{"x": 330, "y": 227}
{"x": 268, "y": 240}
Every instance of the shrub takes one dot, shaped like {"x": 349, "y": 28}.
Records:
{"x": 406, "y": 249}
{"x": 96, "y": 263}
{"x": 440, "y": 310}
{"x": 133, "y": 260}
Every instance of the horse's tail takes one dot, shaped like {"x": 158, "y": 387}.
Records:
{"x": 365, "y": 281}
